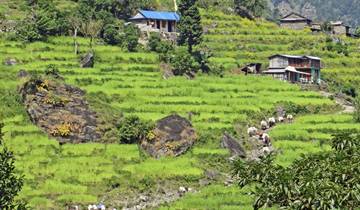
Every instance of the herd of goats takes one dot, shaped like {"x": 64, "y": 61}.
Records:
{"x": 261, "y": 134}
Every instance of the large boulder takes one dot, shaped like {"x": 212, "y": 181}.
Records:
{"x": 234, "y": 147}
{"x": 60, "y": 110}
{"x": 172, "y": 136}
{"x": 87, "y": 61}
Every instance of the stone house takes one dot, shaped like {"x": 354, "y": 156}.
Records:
{"x": 316, "y": 27}
{"x": 156, "y": 21}
{"x": 295, "y": 21}
{"x": 305, "y": 69}
{"x": 339, "y": 28}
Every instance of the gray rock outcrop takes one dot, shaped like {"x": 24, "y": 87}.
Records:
{"x": 87, "y": 61}
{"x": 60, "y": 110}
{"x": 172, "y": 136}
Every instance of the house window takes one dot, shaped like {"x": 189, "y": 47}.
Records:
{"x": 163, "y": 24}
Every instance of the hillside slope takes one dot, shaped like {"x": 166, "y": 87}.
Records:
{"x": 131, "y": 83}
{"x": 236, "y": 41}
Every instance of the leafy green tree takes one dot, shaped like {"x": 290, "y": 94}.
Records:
{"x": 131, "y": 37}
{"x": 92, "y": 30}
{"x": 112, "y": 35}
{"x": 189, "y": 27}
{"x": 183, "y": 62}
{"x": 75, "y": 23}
{"x": 10, "y": 184}
{"x": 251, "y": 8}
{"x": 27, "y": 31}
{"x": 357, "y": 109}
{"x": 43, "y": 20}
{"x": 132, "y": 129}
{"x": 328, "y": 180}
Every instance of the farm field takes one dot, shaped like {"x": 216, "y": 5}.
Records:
{"x": 81, "y": 174}
{"x": 57, "y": 176}
{"x": 236, "y": 41}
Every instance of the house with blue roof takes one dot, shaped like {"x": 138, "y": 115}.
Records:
{"x": 161, "y": 21}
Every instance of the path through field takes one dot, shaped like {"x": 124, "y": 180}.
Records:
{"x": 348, "y": 108}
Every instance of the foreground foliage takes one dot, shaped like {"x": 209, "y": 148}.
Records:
{"x": 321, "y": 181}
{"x": 10, "y": 183}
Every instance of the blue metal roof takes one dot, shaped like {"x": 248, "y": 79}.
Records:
{"x": 160, "y": 15}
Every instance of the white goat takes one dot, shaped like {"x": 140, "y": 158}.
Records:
{"x": 272, "y": 121}
{"x": 264, "y": 125}
{"x": 290, "y": 118}
{"x": 281, "y": 119}
{"x": 252, "y": 131}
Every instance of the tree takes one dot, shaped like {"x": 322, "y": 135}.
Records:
{"x": 183, "y": 62}
{"x": 189, "y": 27}
{"x": 27, "y": 31}
{"x": 10, "y": 184}
{"x": 251, "y": 8}
{"x": 328, "y": 180}
{"x": 75, "y": 23}
{"x": 357, "y": 109}
{"x": 132, "y": 129}
{"x": 111, "y": 35}
{"x": 131, "y": 37}
{"x": 92, "y": 30}
{"x": 42, "y": 20}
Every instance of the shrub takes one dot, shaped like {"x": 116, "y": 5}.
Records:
{"x": 112, "y": 35}
{"x": 154, "y": 41}
{"x": 338, "y": 46}
{"x": 131, "y": 37}
{"x": 62, "y": 130}
{"x": 160, "y": 46}
{"x": 10, "y": 184}
{"x": 183, "y": 62}
{"x": 202, "y": 55}
{"x": 52, "y": 70}
{"x": 27, "y": 31}
{"x": 132, "y": 129}
{"x": 164, "y": 49}
{"x": 320, "y": 181}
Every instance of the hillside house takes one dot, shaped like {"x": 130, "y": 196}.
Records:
{"x": 304, "y": 69}
{"x": 295, "y": 21}
{"x": 339, "y": 28}
{"x": 316, "y": 27}
{"x": 156, "y": 21}
{"x": 252, "y": 68}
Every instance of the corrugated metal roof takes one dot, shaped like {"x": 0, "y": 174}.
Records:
{"x": 282, "y": 71}
{"x": 296, "y": 56}
{"x": 159, "y": 15}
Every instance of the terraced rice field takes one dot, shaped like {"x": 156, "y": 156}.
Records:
{"x": 236, "y": 42}
{"x": 82, "y": 174}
